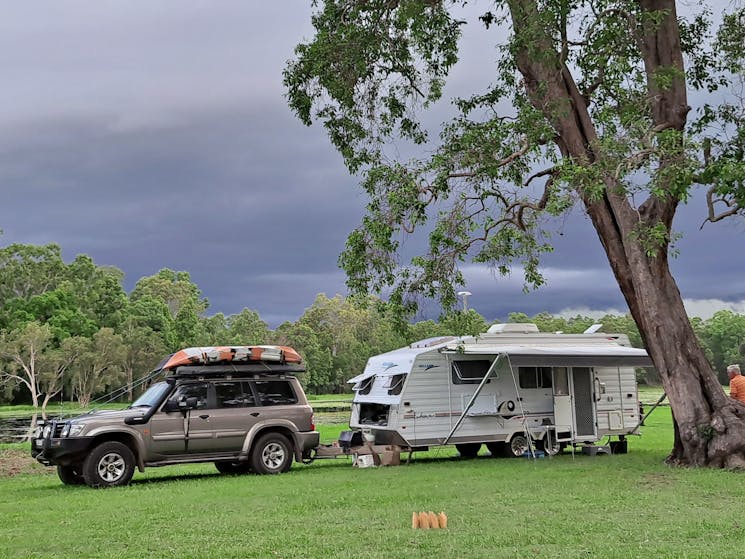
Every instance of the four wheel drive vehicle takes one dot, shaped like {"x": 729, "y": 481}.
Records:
{"x": 239, "y": 407}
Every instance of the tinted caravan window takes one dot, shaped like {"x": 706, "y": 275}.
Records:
{"x": 470, "y": 371}
{"x": 535, "y": 377}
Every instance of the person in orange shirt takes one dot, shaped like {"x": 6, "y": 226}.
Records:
{"x": 736, "y": 383}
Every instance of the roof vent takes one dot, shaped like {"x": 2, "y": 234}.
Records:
{"x": 513, "y": 328}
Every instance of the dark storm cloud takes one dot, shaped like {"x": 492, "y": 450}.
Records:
{"x": 158, "y": 136}
{"x": 231, "y": 197}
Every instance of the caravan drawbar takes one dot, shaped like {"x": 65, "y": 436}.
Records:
{"x": 512, "y": 389}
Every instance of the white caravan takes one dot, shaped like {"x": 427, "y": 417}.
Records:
{"x": 509, "y": 388}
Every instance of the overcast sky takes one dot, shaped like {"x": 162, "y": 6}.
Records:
{"x": 156, "y": 135}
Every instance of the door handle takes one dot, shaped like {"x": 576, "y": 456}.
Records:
{"x": 254, "y": 414}
{"x": 205, "y": 416}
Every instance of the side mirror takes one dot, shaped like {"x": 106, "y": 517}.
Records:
{"x": 181, "y": 404}
{"x": 189, "y": 404}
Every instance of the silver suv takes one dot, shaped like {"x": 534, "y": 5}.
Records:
{"x": 242, "y": 410}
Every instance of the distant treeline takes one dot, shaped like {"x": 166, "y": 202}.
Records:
{"x": 71, "y": 332}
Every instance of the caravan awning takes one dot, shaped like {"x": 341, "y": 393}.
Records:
{"x": 563, "y": 356}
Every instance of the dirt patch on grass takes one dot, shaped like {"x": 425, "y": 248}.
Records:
{"x": 15, "y": 461}
{"x": 655, "y": 480}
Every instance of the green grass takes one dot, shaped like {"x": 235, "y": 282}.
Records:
{"x": 568, "y": 506}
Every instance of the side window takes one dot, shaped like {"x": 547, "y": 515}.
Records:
{"x": 545, "y": 377}
{"x": 234, "y": 394}
{"x": 275, "y": 392}
{"x": 395, "y": 384}
{"x": 196, "y": 390}
{"x": 528, "y": 377}
{"x": 562, "y": 381}
{"x": 471, "y": 371}
{"x": 535, "y": 377}
{"x": 366, "y": 385}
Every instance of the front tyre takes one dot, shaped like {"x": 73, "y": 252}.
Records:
{"x": 271, "y": 454}
{"x": 71, "y": 474}
{"x": 110, "y": 464}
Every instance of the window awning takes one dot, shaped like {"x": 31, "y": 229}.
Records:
{"x": 375, "y": 372}
{"x": 563, "y": 356}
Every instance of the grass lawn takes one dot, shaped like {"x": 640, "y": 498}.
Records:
{"x": 603, "y": 506}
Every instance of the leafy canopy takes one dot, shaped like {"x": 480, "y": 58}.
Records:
{"x": 504, "y": 164}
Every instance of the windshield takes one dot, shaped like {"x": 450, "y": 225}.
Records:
{"x": 152, "y": 395}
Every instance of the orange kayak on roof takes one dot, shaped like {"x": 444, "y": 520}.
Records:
{"x": 237, "y": 354}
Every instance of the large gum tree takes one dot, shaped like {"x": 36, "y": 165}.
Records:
{"x": 588, "y": 106}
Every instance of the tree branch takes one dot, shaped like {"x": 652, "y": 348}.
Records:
{"x": 711, "y": 201}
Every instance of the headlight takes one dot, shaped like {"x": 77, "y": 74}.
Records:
{"x": 38, "y": 431}
{"x": 47, "y": 431}
{"x": 73, "y": 429}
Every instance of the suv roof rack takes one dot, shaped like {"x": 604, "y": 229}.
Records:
{"x": 236, "y": 370}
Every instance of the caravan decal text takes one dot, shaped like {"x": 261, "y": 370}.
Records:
{"x": 428, "y": 366}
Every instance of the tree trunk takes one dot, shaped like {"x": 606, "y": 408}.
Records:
{"x": 710, "y": 426}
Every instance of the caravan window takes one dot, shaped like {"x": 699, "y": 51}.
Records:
{"x": 395, "y": 383}
{"x": 471, "y": 371}
{"x": 535, "y": 377}
{"x": 365, "y": 385}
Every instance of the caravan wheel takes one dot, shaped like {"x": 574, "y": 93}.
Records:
{"x": 517, "y": 446}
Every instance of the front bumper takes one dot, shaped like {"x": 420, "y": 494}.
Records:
{"x": 60, "y": 451}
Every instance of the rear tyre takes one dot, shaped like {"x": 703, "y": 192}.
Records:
{"x": 110, "y": 464}
{"x": 271, "y": 454}
{"x": 517, "y": 446}
{"x": 233, "y": 468}
{"x": 71, "y": 474}
{"x": 496, "y": 449}
{"x": 468, "y": 450}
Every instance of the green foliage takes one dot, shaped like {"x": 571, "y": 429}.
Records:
{"x": 74, "y": 357}
{"x": 366, "y": 60}
{"x": 247, "y": 328}
{"x": 58, "y": 308}
{"x": 28, "y": 270}
{"x": 724, "y": 336}
{"x": 99, "y": 366}
{"x": 336, "y": 337}
{"x": 97, "y": 289}
{"x": 463, "y": 323}
{"x": 582, "y": 106}
{"x": 20, "y": 356}
{"x": 174, "y": 289}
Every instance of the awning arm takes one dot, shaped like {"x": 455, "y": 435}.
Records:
{"x": 473, "y": 398}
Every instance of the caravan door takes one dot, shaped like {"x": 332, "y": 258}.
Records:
{"x": 583, "y": 394}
